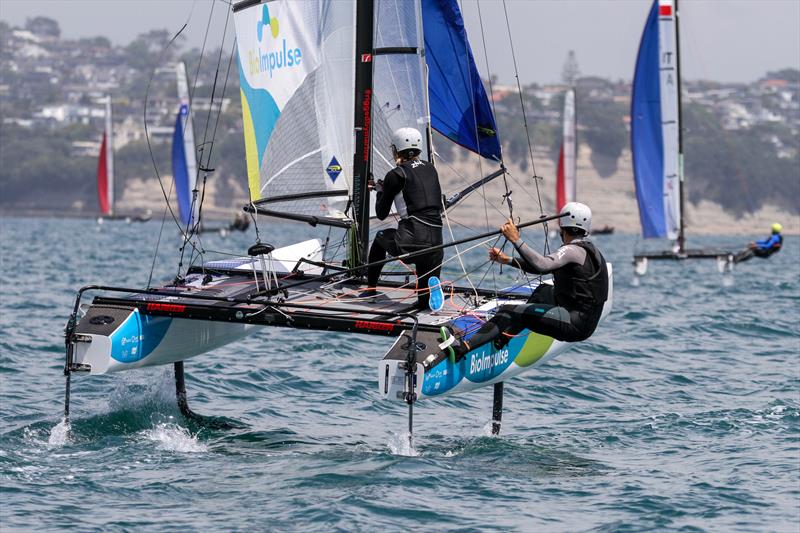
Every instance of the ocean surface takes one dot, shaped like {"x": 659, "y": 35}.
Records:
{"x": 682, "y": 412}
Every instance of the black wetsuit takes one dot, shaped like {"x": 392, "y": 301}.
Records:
{"x": 568, "y": 311}
{"x": 413, "y": 188}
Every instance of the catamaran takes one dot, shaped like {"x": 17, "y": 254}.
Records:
{"x": 657, "y": 141}
{"x": 323, "y": 84}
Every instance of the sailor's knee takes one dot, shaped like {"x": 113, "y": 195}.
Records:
{"x": 559, "y": 314}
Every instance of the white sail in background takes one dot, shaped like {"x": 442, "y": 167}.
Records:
{"x": 566, "y": 178}
{"x": 668, "y": 69}
{"x": 189, "y": 151}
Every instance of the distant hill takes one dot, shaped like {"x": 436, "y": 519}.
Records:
{"x": 741, "y": 140}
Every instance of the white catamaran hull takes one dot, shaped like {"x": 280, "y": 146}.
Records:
{"x": 149, "y": 341}
{"x": 116, "y": 337}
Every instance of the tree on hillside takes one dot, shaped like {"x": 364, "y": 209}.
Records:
{"x": 740, "y": 170}
{"x": 603, "y": 129}
{"x": 43, "y": 26}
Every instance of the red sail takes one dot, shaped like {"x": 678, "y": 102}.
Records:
{"x": 561, "y": 190}
{"x": 102, "y": 179}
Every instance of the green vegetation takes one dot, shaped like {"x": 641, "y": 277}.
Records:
{"x": 738, "y": 169}
{"x": 39, "y": 168}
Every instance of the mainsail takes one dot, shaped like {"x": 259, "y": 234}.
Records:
{"x": 184, "y": 159}
{"x": 566, "y": 175}
{"x": 655, "y": 125}
{"x": 105, "y": 167}
{"x": 296, "y": 72}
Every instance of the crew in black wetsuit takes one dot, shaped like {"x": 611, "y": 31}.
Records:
{"x": 568, "y": 310}
{"x": 763, "y": 248}
{"x": 413, "y": 188}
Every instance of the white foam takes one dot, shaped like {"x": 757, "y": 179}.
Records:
{"x": 402, "y": 444}
{"x": 487, "y": 429}
{"x": 59, "y": 435}
{"x": 174, "y": 438}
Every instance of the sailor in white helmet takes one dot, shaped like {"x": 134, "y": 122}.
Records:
{"x": 413, "y": 188}
{"x": 568, "y": 310}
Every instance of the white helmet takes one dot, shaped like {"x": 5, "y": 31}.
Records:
{"x": 407, "y": 139}
{"x": 580, "y": 216}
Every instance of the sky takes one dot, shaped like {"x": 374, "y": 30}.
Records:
{"x": 721, "y": 40}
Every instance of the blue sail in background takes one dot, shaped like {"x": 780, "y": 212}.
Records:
{"x": 654, "y": 125}
{"x": 459, "y": 107}
{"x": 180, "y": 168}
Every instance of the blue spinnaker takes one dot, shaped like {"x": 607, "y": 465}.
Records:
{"x": 647, "y": 144}
{"x": 180, "y": 170}
{"x": 459, "y": 107}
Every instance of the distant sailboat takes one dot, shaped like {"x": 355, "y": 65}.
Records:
{"x": 105, "y": 177}
{"x": 105, "y": 168}
{"x": 184, "y": 159}
{"x": 565, "y": 177}
{"x": 567, "y": 174}
{"x": 657, "y": 140}
{"x": 184, "y": 164}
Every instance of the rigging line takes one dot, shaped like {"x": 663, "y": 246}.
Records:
{"x": 147, "y": 131}
{"x": 475, "y": 121}
{"x": 536, "y": 177}
{"x": 465, "y": 180}
{"x": 409, "y": 255}
{"x": 158, "y": 243}
{"x": 202, "y": 52}
{"x": 449, "y": 259}
{"x": 196, "y": 225}
{"x": 207, "y": 164}
{"x": 216, "y": 122}
{"x": 458, "y": 254}
{"x": 507, "y": 196}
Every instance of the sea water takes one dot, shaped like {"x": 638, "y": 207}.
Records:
{"x": 682, "y": 411}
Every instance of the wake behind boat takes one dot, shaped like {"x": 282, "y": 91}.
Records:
{"x": 298, "y": 63}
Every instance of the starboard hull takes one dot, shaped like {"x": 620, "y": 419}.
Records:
{"x": 485, "y": 365}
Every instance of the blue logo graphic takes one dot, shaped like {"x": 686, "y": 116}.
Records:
{"x": 334, "y": 169}
{"x": 267, "y": 21}
{"x": 281, "y": 56}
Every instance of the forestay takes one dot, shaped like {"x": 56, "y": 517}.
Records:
{"x": 655, "y": 125}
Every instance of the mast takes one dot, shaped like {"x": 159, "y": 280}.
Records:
{"x": 363, "y": 116}
{"x": 109, "y": 157}
{"x": 427, "y": 99}
{"x": 682, "y": 201}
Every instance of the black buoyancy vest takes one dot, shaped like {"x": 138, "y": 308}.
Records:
{"x": 422, "y": 194}
{"x": 582, "y": 287}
